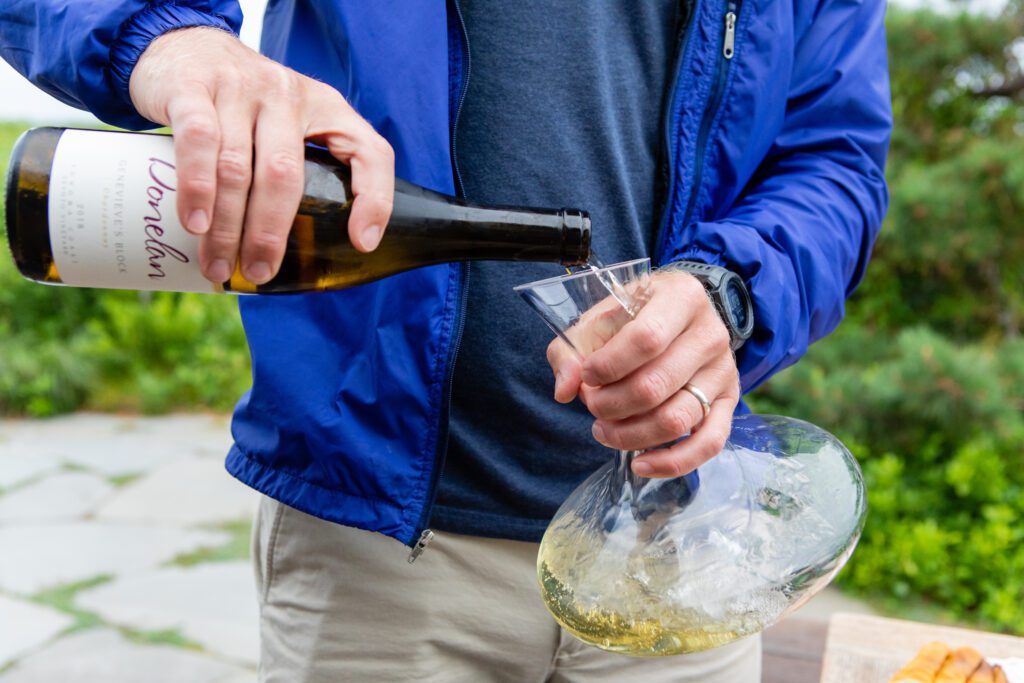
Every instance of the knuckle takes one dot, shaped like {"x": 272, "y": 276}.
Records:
{"x": 222, "y": 240}
{"x": 719, "y": 335}
{"x": 197, "y": 186}
{"x": 601, "y": 410}
{"x": 198, "y": 130}
{"x": 688, "y": 285}
{"x": 652, "y": 389}
{"x": 694, "y": 287}
{"x": 650, "y": 336}
{"x": 383, "y": 148}
{"x": 234, "y": 168}
{"x": 314, "y": 90}
{"x": 677, "y": 283}
{"x": 365, "y": 133}
{"x": 267, "y": 242}
{"x": 280, "y": 81}
{"x": 552, "y": 353}
{"x": 283, "y": 168}
{"x": 601, "y": 370}
{"x": 712, "y": 446}
{"x": 290, "y": 84}
{"x": 384, "y": 204}
{"x": 674, "y": 421}
{"x": 733, "y": 389}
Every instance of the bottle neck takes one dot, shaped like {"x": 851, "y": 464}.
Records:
{"x": 462, "y": 229}
{"x": 495, "y": 232}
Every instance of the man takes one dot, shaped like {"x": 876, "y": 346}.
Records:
{"x": 750, "y": 136}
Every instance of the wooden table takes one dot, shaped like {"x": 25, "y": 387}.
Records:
{"x": 792, "y": 651}
{"x": 865, "y": 649}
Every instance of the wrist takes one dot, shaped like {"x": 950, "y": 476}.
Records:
{"x": 143, "y": 28}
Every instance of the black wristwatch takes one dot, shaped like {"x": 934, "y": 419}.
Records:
{"x": 729, "y": 294}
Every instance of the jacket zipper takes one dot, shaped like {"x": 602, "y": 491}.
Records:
{"x": 710, "y": 112}
{"x": 441, "y": 449}
{"x": 725, "y": 59}
{"x": 668, "y": 169}
{"x": 462, "y": 98}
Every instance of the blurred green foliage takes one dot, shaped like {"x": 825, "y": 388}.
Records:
{"x": 925, "y": 378}
{"x": 63, "y": 348}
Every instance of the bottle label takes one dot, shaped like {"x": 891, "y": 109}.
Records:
{"x": 113, "y": 215}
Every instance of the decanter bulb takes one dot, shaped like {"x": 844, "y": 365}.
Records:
{"x": 669, "y": 566}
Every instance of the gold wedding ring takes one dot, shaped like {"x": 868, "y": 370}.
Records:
{"x": 705, "y": 404}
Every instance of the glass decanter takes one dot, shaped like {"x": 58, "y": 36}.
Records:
{"x": 652, "y": 567}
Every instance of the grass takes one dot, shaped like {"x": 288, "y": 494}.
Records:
{"x": 237, "y": 548}
{"x": 165, "y": 637}
{"x": 62, "y": 598}
{"x": 122, "y": 480}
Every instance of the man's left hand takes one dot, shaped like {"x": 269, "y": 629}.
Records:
{"x": 633, "y": 384}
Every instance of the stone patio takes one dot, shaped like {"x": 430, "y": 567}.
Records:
{"x": 125, "y": 550}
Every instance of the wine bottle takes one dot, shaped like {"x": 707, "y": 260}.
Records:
{"x": 97, "y": 209}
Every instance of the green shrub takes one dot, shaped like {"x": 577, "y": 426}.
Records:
{"x": 925, "y": 379}
{"x": 63, "y": 348}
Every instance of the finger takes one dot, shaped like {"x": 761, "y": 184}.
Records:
{"x": 275, "y": 194}
{"x": 651, "y": 385}
{"x": 350, "y": 139}
{"x": 566, "y": 366}
{"x": 670, "y": 310}
{"x": 702, "y": 445}
{"x": 597, "y": 325}
{"x": 959, "y": 666}
{"x": 676, "y": 417}
{"x": 218, "y": 250}
{"x": 373, "y": 184}
{"x": 196, "y": 130}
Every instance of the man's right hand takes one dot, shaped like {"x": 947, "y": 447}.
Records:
{"x": 228, "y": 106}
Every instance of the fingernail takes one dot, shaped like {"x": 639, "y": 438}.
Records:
{"x": 220, "y": 271}
{"x": 598, "y": 432}
{"x": 558, "y": 381}
{"x": 258, "y": 273}
{"x": 371, "y": 237}
{"x": 198, "y": 223}
{"x": 642, "y": 469}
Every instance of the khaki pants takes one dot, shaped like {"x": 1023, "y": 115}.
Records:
{"x": 338, "y": 604}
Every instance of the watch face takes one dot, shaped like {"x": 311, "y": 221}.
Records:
{"x": 736, "y": 304}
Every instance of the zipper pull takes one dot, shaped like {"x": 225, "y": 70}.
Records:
{"x": 425, "y": 538}
{"x": 729, "y": 48}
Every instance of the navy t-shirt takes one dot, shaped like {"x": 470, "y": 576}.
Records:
{"x": 563, "y": 109}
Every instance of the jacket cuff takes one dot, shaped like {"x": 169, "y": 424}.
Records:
{"x": 142, "y": 28}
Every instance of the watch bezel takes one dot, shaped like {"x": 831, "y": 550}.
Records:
{"x": 741, "y": 333}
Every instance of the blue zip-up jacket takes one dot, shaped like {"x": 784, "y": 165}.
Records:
{"x": 775, "y": 170}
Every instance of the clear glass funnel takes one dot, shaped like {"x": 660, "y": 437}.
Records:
{"x": 669, "y": 566}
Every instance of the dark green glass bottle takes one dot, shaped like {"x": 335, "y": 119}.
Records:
{"x": 97, "y": 209}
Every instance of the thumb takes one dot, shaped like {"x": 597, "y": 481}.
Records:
{"x": 567, "y": 368}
